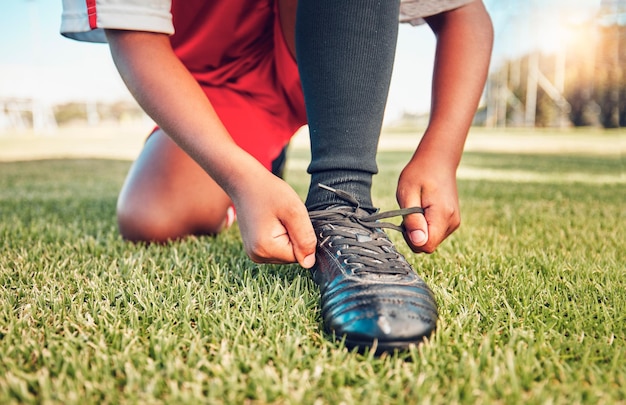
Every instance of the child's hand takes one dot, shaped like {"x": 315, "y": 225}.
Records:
{"x": 429, "y": 184}
{"x": 274, "y": 223}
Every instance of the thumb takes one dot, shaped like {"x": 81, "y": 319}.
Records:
{"x": 415, "y": 225}
{"x": 302, "y": 237}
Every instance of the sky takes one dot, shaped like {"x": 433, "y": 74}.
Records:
{"x": 37, "y": 62}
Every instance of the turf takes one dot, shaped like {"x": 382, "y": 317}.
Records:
{"x": 531, "y": 294}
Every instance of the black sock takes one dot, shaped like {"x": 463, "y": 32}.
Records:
{"x": 345, "y": 51}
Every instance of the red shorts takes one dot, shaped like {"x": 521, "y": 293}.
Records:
{"x": 237, "y": 52}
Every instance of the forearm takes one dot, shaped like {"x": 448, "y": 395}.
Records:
{"x": 464, "y": 42}
{"x": 170, "y": 95}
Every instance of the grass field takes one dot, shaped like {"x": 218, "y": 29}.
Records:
{"x": 531, "y": 291}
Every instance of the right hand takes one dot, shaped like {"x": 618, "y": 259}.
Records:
{"x": 274, "y": 223}
{"x": 429, "y": 182}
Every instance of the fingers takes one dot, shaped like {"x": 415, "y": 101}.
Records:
{"x": 441, "y": 223}
{"x": 425, "y": 232}
{"x": 289, "y": 238}
{"x": 302, "y": 238}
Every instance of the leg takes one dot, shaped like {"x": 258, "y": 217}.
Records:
{"x": 369, "y": 293}
{"x": 167, "y": 196}
{"x": 345, "y": 54}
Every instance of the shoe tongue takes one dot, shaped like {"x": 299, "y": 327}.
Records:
{"x": 350, "y": 223}
{"x": 359, "y": 211}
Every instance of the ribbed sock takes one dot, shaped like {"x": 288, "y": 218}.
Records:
{"x": 345, "y": 52}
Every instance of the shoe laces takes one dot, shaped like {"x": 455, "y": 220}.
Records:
{"x": 359, "y": 233}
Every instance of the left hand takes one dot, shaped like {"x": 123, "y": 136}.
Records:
{"x": 428, "y": 183}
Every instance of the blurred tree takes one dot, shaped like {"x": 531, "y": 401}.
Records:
{"x": 593, "y": 85}
{"x": 114, "y": 112}
{"x": 69, "y": 112}
{"x": 609, "y": 74}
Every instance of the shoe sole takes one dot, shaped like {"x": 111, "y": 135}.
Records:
{"x": 381, "y": 347}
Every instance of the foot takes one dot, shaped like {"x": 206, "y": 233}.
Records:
{"x": 370, "y": 295}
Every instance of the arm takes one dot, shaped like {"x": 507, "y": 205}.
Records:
{"x": 274, "y": 223}
{"x": 464, "y": 40}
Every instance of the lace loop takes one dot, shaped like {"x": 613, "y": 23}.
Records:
{"x": 359, "y": 236}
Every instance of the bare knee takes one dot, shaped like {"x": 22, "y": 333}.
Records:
{"x": 144, "y": 223}
{"x": 161, "y": 222}
{"x": 167, "y": 195}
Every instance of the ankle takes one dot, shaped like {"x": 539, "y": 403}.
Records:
{"x": 327, "y": 192}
